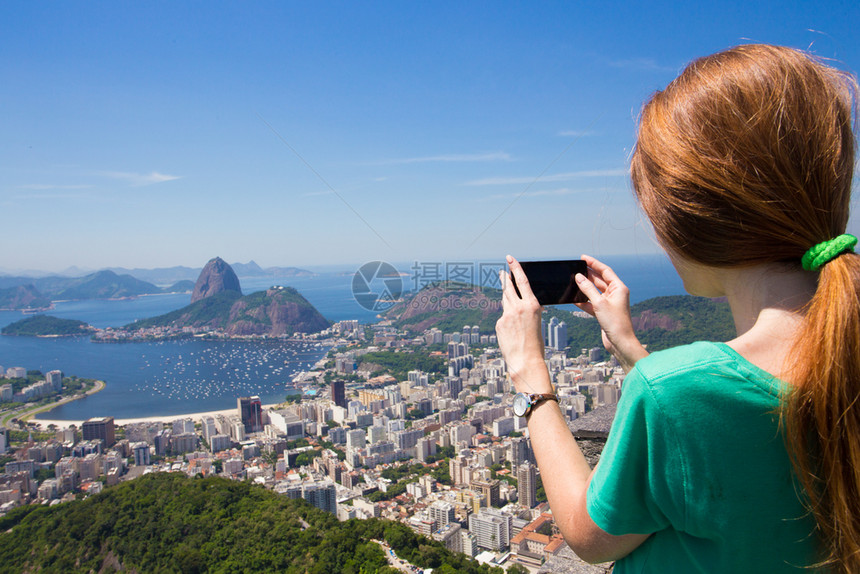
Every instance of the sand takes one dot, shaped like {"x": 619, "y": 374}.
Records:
{"x": 155, "y": 418}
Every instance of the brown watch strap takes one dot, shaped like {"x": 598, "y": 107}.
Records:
{"x": 538, "y": 398}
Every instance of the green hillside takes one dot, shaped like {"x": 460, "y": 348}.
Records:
{"x": 213, "y": 311}
{"x": 46, "y": 325}
{"x": 170, "y": 523}
{"x": 276, "y": 311}
{"x": 660, "y": 323}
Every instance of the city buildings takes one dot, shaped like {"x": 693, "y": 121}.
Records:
{"x": 373, "y": 452}
{"x": 101, "y": 428}
{"x": 251, "y": 413}
{"x": 527, "y": 484}
{"x": 338, "y": 393}
{"x": 491, "y": 528}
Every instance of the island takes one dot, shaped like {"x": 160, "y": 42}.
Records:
{"x": 219, "y": 310}
{"x": 47, "y": 326}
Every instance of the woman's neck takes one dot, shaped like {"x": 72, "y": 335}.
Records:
{"x": 768, "y": 304}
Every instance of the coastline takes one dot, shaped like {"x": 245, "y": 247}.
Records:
{"x": 28, "y": 414}
{"x": 197, "y": 416}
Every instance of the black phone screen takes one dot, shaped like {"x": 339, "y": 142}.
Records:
{"x": 552, "y": 281}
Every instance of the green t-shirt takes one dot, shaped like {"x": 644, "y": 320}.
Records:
{"x": 695, "y": 456}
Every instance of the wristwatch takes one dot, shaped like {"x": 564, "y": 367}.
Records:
{"x": 524, "y": 403}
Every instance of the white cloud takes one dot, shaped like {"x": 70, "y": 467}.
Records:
{"x": 549, "y": 178}
{"x": 138, "y": 179}
{"x": 478, "y": 157}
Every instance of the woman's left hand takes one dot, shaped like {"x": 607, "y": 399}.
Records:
{"x": 519, "y": 334}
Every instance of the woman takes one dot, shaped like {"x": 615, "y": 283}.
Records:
{"x": 743, "y": 456}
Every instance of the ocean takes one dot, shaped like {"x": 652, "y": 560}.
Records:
{"x": 176, "y": 377}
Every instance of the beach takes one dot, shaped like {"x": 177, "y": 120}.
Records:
{"x": 162, "y": 419}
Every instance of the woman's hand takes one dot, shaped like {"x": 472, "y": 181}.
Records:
{"x": 609, "y": 303}
{"x": 519, "y": 334}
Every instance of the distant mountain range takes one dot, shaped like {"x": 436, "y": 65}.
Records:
{"x": 37, "y": 292}
{"x": 23, "y": 297}
{"x": 158, "y": 276}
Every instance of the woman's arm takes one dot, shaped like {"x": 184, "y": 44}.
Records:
{"x": 564, "y": 470}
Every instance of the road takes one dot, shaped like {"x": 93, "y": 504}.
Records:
{"x": 24, "y": 413}
{"x": 396, "y": 562}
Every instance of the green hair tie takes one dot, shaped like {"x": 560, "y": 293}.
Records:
{"x": 825, "y": 251}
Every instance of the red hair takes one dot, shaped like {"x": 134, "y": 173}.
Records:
{"x": 747, "y": 158}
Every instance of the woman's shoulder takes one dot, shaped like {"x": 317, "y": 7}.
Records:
{"x": 684, "y": 359}
{"x": 693, "y": 369}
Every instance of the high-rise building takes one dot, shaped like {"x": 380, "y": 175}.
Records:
{"x": 181, "y": 426}
{"x": 425, "y": 448}
{"x": 184, "y": 442}
{"x": 141, "y": 454}
{"x": 356, "y": 439}
{"x": 468, "y": 543}
{"x": 323, "y": 495}
{"x": 99, "y": 429}
{"x": 337, "y": 435}
{"x": 251, "y": 413}
{"x": 527, "y": 485}
{"x": 519, "y": 451}
{"x": 491, "y": 528}
{"x": 442, "y": 512}
{"x": 210, "y": 429}
{"x": 338, "y": 393}
{"x": 556, "y": 334}
{"x": 457, "y": 350}
{"x": 162, "y": 442}
{"x": 55, "y": 379}
{"x": 489, "y": 489}
{"x": 16, "y": 372}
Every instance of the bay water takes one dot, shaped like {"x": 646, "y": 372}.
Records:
{"x": 176, "y": 377}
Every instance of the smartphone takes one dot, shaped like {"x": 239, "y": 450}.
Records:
{"x": 552, "y": 281}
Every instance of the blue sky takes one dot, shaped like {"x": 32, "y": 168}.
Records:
{"x": 160, "y": 134}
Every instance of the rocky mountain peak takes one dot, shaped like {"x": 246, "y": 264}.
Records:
{"x": 217, "y": 276}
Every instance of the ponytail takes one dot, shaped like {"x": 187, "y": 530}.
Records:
{"x": 747, "y": 158}
{"x": 821, "y": 413}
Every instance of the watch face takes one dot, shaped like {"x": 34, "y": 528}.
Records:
{"x": 521, "y": 404}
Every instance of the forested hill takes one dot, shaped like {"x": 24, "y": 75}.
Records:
{"x": 47, "y": 326}
{"x": 276, "y": 311}
{"x": 660, "y": 323}
{"x": 448, "y": 306}
{"x": 170, "y": 523}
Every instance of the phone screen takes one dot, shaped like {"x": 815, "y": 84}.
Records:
{"x": 552, "y": 281}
